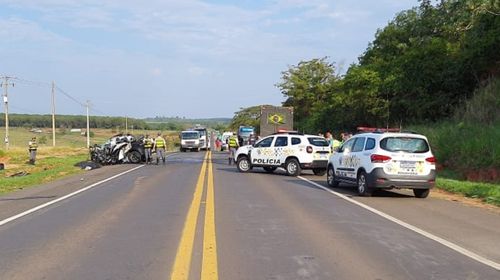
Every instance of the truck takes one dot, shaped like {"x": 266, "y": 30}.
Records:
{"x": 246, "y": 135}
{"x": 204, "y": 137}
{"x": 275, "y": 119}
{"x": 190, "y": 140}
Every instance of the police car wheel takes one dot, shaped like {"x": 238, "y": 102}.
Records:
{"x": 292, "y": 167}
{"x": 330, "y": 177}
{"x": 243, "y": 164}
{"x": 363, "y": 188}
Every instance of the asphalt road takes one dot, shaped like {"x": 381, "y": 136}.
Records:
{"x": 198, "y": 218}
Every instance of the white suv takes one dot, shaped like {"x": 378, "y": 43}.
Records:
{"x": 290, "y": 150}
{"x": 384, "y": 161}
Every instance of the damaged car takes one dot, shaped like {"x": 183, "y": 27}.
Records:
{"x": 121, "y": 148}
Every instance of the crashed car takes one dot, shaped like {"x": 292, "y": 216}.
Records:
{"x": 118, "y": 149}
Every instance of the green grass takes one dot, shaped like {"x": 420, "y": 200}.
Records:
{"x": 46, "y": 170}
{"x": 489, "y": 193}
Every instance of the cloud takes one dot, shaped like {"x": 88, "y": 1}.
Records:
{"x": 21, "y": 30}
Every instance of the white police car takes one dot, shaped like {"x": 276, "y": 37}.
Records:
{"x": 384, "y": 161}
{"x": 289, "y": 150}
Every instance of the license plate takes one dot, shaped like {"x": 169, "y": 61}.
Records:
{"x": 407, "y": 164}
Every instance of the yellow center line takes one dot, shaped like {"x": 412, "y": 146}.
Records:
{"x": 209, "y": 265}
{"x": 180, "y": 270}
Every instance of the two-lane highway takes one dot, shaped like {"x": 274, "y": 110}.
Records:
{"x": 198, "y": 218}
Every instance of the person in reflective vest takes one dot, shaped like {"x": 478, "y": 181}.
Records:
{"x": 233, "y": 146}
{"x": 32, "y": 147}
{"x": 148, "y": 145}
{"x": 159, "y": 145}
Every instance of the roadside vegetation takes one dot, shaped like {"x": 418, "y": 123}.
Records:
{"x": 434, "y": 69}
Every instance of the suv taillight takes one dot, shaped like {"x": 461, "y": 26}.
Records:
{"x": 309, "y": 149}
{"x": 431, "y": 160}
{"x": 379, "y": 158}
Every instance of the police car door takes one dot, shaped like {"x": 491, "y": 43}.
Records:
{"x": 343, "y": 169}
{"x": 262, "y": 151}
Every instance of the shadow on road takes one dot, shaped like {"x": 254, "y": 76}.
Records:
{"x": 27, "y": 198}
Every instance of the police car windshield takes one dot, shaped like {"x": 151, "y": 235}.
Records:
{"x": 190, "y": 135}
{"x": 318, "y": 141}
{"x": 404, "y": 144}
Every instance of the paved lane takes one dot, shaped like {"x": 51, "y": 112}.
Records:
{"x": 195, "y": 220}
{"x": 127, "y": 228}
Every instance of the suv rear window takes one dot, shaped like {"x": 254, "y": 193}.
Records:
{"x": 318, "y": 142}
{"x": 405, "y": 144}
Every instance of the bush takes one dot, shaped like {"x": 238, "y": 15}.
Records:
{"x": 42, "y": 139}
{"x": 483, "y": 107}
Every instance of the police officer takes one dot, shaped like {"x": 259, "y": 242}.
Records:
{"x": 148, "y": 145}
{"x": 233, "y": 146}
{"x": 159, "y": 145}
{"x": 32, "y": 147}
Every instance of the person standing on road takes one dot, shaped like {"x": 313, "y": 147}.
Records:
{"x": 148, "y": 145}
{"x": 160, "y": 145}
{"x": 32, "y": 147}
{"x": 233, "y": 146}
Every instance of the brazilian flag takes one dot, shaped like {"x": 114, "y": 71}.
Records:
{"x": 275, "y": 119}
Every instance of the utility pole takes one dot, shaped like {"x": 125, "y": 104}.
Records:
{"x": 88, "y": 125}
{"x": 6, "y": 85}
{"x": 53, "y": 114}
{"x": 126, "y": 125}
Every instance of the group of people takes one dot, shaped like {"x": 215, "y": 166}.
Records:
{"x": 157, "y": 145}
{"x": 334, "y": 143}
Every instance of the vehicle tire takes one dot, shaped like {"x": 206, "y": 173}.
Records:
{"x": 421, "y": 193}
{"x": 362, "y": 183}
{"x": 330, "y": 177}
{"x": 292, "y": 167}
{"x": 134, "y": 157}
{"x": 270, "y": 169}
{"x": 243, "y": 164}
{"x": 183, "y": 150}
{"x": 319, "y": 171}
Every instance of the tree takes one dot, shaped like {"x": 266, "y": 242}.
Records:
{"x": 307, "y": 88}
{"x": 248, "y": 117}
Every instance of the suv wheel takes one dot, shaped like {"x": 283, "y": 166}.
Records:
{"x": 319, "y": 171}
{"x": 330, "y": 177}
{"x": 362, "y": 182}
{"x": 292, "y": 167}
{"x": 421, "y": 193}
{"x": 134, "y": 157}
{"x": 243, "y": 164}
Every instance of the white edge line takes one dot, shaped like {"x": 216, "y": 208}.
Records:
{"x": 422, "y": 232}
{"x": 32, "y": 210}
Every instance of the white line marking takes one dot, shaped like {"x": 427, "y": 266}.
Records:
{"x": 32, "y": 210}
{"x": 431, "y": 236}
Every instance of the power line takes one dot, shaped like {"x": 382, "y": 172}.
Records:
{"x": 31, "y": 83}
{"x": 70, "y": 97}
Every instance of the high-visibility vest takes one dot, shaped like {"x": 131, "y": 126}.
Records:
{"x": 233, "y": 142}
{"x": 33, "y": 145}
{"x": 335, "y": 144}
{"x": 160, "y": 142}
{"x": 148, "y": 143}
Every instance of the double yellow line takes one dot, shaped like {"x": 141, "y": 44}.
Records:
{"x": 182, "y": 264}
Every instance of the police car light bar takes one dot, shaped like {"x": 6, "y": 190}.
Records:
{"x": 376, "y": 129}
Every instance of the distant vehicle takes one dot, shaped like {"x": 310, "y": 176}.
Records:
{"x": 204, "y": 137}
{"x": 244, "y": 134}
{"x": 224, "y": 138}
{"x": 190, "y": 140}
{"x": 289, "y": 150}
{"x": 378, "y": 160}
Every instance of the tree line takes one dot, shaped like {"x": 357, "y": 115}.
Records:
{"x": 72, "y": 121}
{"x": 420, "y": 68}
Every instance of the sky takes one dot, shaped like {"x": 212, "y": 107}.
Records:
{"x": 186, "y": 58}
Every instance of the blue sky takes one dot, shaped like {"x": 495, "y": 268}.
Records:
{"x": 187, "y": 58}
